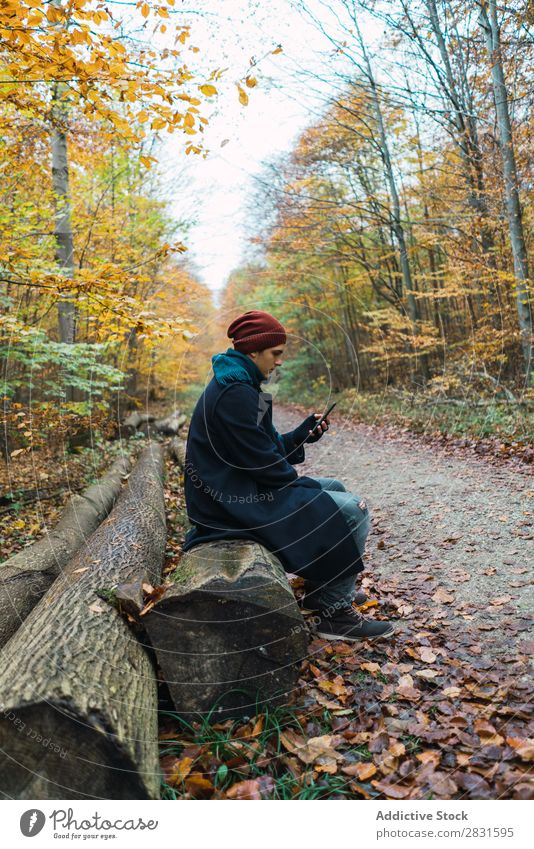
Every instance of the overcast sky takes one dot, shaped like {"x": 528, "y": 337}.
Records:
{"x": 217, "y": 192}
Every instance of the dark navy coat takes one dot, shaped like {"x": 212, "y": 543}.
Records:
{"x": 240, "y": 483}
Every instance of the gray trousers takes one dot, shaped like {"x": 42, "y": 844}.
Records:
{"x": 340, "y": 591}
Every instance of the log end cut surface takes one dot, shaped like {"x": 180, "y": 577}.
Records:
{"x": 60, "y": 757}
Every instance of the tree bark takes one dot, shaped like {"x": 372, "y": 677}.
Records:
{"x": 228, "y": 633}
{"x": 79, "y": 694}
{"x": 397, "y": 226}
{"x": 171, "y": 425}
{"x": 26, "y": 576}
{"x": 62, "y": 218}
{"x": 63, "y": 224}
{"x": 490, "y": 27}
{"x": 466, "y": 137}
{"x": 177, "y": 451}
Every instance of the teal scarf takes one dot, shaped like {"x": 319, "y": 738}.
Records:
{"x": 234, "y": 366}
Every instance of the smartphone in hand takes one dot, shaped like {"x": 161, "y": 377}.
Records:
{"x": 321, "y": 420}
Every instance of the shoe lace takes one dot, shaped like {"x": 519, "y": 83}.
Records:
{"x": 354, "y": 615}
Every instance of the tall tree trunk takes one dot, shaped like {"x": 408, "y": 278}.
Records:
{"x": 396, "y": 219}
{"x": 490, "y": 27}
{"x": 433, "y": 260}
{"x": 466, "y": 136}
{"x": 63, "y": 224}
{"x": 347, "y": 329}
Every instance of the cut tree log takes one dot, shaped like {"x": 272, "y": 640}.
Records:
{"x": 79, "y": 693}
{"x": 228, "y": 634}
{"x": 171, "y": 425}
{"x": 177, "y": 451}
{"x": 26, "y": 576}
{"x": 135, "y": 423}
{"x": 147, "y": 424}
{"x": 149, "y": 430}
{"x": 133, "y": 420}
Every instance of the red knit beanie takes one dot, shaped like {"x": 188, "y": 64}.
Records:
{"x": 256, "y": 330}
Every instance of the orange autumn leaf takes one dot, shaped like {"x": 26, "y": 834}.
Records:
{"x": 362, "y": 771}
{"x": 180, "y": 771}
{"x": 208, "y": 90}
{"x": 371, "y": 667}
{"x": 392, "y": 791}
{"x": 429, "y": 756}
{"x": 249, "y": 789}
{"x": 243, "y": 96}
{"x": 198, "y": 786}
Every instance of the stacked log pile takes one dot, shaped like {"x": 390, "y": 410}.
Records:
{"x": 26, "y": 576}
{"x": 79, "y": 694}
{"x": 149, "y": 425}
{"x": 79, "y": 708}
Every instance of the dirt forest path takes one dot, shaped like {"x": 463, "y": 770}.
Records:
{"x": 452, "y": 536}
{"x": 444, "y": 709}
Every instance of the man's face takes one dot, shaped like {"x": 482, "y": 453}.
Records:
{"x": 268, "y": 359}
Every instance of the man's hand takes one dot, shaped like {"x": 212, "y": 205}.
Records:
{"x": 316, "y": 434}
{"x": 305, "y": 433}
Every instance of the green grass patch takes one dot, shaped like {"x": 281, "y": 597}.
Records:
{"x": 472, "y": 418}
{"x": 412, "y": 744}
{"x": 233, "y": 756}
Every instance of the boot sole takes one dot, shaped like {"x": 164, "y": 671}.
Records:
{"x": 347, "y": 638}
{"x": 304, "y": 609}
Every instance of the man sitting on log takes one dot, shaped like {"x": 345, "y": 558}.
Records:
{"x": 240, "y": 483}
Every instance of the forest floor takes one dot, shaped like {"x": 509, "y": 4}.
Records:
{"x": 441, "y": 711}
{"x": 444, "y": 709}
